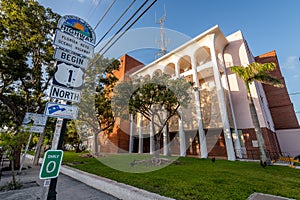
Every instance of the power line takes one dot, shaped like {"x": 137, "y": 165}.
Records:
{"x": 93, "y": 8}
{"x": 107, "y": 10}
{"x": 124, "y": 12}
{"x": 122, "y": 26}
{"x": 135, "y": 13}
{"x": 131, "y": 25}
{"x": 295, "y": 93}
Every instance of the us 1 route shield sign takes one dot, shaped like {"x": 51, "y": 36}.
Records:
{"x": 68, "y": 76}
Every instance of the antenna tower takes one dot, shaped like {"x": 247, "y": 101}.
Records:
{"x": 162, "y": 42}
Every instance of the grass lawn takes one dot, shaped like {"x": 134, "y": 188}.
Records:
{"x": 194, "y": 178}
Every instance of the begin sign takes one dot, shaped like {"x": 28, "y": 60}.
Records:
{"x": 71, "y": 58}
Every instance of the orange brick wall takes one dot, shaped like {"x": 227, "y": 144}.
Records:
{"x": 280, "y": 105}
{"x": 118, "y": 140}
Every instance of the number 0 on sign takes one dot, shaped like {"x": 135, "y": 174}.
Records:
{"x": 51, "y": 164}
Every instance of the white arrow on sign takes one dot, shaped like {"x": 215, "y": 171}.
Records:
{"x": 71, "y": 58}
{"x": 61, "y": 110}
{"x": 68, "y": 76}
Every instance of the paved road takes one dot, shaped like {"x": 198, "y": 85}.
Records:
{"x": 67, "y": 188}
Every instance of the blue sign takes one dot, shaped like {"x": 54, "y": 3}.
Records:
{"x": 61, "y": 110}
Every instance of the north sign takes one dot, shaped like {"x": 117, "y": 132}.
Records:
{"x": 71, "y": 43}
{"x": 65, "y": 94}
{"x": 61, "y": 110}
{"x": 51, "y": 164}
{"x": 71, "y": 58}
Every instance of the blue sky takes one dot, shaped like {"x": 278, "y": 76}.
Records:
{"x": 266, "y": 24}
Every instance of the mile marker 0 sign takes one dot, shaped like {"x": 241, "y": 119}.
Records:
{"x": 51, "y": 164}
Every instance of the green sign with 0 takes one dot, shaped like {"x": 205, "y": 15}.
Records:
{"x": 51, "y": 164}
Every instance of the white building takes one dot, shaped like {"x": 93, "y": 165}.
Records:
{"x": 219, "y": 111}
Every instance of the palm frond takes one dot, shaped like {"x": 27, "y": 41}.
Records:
{"x": 270, "y": 80}
{"x": 240, "y": 71}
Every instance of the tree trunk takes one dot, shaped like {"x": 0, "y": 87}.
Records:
{"x": 168, "y": 140}
{"x": 96, "y": 150}
{"x": 157, "y": 145}
{"x": 261, "y": 143}
{"x": 17, "y": 158}
{"x": 39, "y": 149}
{"x": 13, "y": 172}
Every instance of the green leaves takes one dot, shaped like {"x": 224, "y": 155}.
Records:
{"x": 95, "y": 106}
{"x": 257, "y": 72}
{"x": 26, "y": 36}
{"x": 151, "y": 98}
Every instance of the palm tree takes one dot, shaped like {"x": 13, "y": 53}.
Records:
{"x": 257, "y": 72}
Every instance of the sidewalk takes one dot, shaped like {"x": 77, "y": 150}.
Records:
{"x": 32, "y": 189}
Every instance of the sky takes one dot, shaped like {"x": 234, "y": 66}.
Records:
{"x": 266, "y": 25}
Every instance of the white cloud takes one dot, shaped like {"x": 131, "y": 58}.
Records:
{"x": 292, "y": 62}
{"x": 296, "y": 76}
{"x": 95, "y": 2}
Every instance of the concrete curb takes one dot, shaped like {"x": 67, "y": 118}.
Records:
{"x": 114, "y": 188}
{"x": 261, "y": 196}
{"x": 119, "y": 190}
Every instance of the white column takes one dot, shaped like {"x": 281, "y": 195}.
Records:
{"x": 131, "y": 134}
{"x": 140, "y": 133}
{"x": 222, "y": 102}
{"x": 180, "y": 124}
{"x": 202, "y": 137}
{"x": 181, "y": 136}
{"x": 236, "y": 139}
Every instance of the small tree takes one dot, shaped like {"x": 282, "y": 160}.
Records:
{"x": 95, "y": 106}
{"x": 249, "y": 74}
{"x": 151, "y": 98}
{"x": 73, "y": 138}
{"x": 11, "y": 143}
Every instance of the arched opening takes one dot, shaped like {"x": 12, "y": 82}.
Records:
{"x": 184, "y": 64}
{"x": 202, "y": 56}
{"x": 147, "y": 77}
{"x": 157, "y": 72}
{"x": 170, "y": 69}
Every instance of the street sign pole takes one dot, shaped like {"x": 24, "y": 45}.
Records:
{"x": 74, "y": 47}
{"x": 52, "y": 188}
{"x": 25, "y": 152}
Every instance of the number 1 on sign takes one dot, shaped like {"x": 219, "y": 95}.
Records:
{"x": 70, "y": 76}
